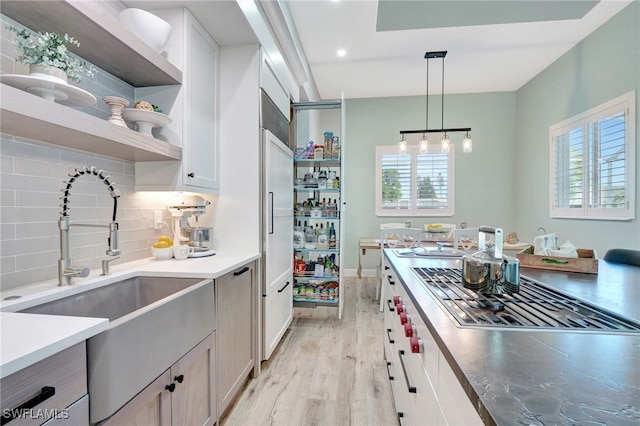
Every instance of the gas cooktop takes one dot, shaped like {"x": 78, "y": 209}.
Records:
{"x": 535, "y": 306}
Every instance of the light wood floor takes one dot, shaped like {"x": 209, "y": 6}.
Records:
{"x": 326, "y": 371}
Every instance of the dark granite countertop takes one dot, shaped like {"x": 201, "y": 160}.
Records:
{"x": 532, "y": 377}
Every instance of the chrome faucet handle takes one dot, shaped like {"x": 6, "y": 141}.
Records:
{"x": 105, "y": 265}
{"x": 77, "y": 271}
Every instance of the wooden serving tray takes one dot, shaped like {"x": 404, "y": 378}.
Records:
{"x": 585, "y": 263}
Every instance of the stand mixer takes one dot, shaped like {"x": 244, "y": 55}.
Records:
{"x": 181, "y": 207}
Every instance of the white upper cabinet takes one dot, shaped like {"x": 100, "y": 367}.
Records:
{"x": 193, "y": 108}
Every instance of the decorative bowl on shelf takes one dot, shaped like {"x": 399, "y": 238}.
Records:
{"x": 145, "y": 120}
{"x": 147, "y": 26}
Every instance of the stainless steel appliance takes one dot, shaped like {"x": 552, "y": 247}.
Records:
{"x": 535, "y": 306}
{"x": 277, "y": 227}
{"x": 488, "y": 270}
{"x": 181, "y": 208}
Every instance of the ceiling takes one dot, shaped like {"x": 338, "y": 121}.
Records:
{"x": 492, "y": 45}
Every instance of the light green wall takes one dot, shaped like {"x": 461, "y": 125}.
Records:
{"x": 603, "y": 66}
{"x": 504, "y": 182}
{"x": 482, "y": 179}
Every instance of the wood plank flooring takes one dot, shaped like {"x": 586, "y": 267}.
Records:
{"x": 326, "y": 371}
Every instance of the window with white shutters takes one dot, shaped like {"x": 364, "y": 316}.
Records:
{"x": 593, "y": 163}
{"x": 414, "y": 183}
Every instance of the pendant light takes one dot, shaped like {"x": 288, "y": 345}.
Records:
{"x": 445, "y": 142}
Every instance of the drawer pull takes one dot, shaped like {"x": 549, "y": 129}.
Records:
{"x": 171, "y": 387}
{"x": 241, "y": 271}
{"x": 45, "y": 393}
{"x": 389, "y": 336}
{"x": 391, "y": 308}
{"x": 179, "y": 378}
{"x": 410, "y": 389}
{"x": 285, "y": 286}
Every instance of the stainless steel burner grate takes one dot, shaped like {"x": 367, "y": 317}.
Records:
{"x": 534, "y": 306}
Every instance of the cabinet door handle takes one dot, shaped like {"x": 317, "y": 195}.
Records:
{"x": 391, "y": 308}
{"x": 389, "y": 336}
{"x": 285, "y": 286}
{"x": 179, "y": 378}
{"x": 411, "y": 389}
{"x": 270, "y": 212}
{"x": 241, "y": 271}
{"x": 45, "y": 393}
{"x": 171, "y": 387}
{"x": 191, "y": 174}
{"x": 389, "y": 371}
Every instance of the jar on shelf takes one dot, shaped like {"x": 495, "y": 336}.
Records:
{"x": 328, "y": 140}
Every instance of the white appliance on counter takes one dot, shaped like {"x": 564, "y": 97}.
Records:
{"x": 277, "y": 225}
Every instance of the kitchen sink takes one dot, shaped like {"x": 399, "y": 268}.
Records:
{"x": 153, "y": 322}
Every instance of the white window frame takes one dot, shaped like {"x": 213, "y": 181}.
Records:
{"x": 625, "y": 104}
{"x": 415, "y": 212}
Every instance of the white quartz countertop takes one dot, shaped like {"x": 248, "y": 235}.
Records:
{"x": 28, "y": 338}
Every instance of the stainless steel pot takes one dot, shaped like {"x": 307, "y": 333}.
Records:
{"x": 488, "y": 270}
{"x": 200, "y": 238}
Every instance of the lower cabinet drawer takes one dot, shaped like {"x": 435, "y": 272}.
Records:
{"x": 43, "y": 390}
{"x": 76, "y": 415}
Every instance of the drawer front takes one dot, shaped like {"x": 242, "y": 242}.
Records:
{"x": 46, "y": 387}
{"x": 278, "y": 314}
{"x": 75, "y": 415}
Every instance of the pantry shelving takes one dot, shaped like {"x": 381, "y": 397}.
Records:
{"x": 319, "y": 204}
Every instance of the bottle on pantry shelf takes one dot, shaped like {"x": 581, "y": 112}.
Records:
{"x": 335, "y": 147}
{"x": 328, "y": 141}
{"x": 298, "y": 236}
{"x": 336, "y": 182}
{"x": 323, "y": 238}
{"x": 310, "y": 238}
{"x": 299, "y": 266}
{"x": 332, "y": 236}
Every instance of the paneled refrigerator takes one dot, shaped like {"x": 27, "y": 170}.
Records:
{"x": 277, "y": 279}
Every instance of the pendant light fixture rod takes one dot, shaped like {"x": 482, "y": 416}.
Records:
{"x": 459, "y": 129}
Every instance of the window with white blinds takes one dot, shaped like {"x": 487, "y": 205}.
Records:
{"x": 593, "y": 163}
{"x": 414, "y": 183}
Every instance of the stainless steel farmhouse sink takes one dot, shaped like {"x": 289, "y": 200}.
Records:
{"x": 153, "y": 322}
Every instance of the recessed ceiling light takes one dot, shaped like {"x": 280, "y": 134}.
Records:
{"x": 341, "y": 52}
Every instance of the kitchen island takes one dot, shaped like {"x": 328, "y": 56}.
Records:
{"x": 531, "y": 376}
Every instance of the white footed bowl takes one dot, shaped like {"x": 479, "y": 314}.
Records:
{"x": 145, "y": 120}
{"x": 147, "y": 26}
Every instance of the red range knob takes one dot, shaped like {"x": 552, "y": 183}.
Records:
{"x": 400, "y": 308}
{"x": 404, "y": 318}
{"x": 417, "y": 347}
{"x": 397, "y": 300}
{"x": 409, "y": 330}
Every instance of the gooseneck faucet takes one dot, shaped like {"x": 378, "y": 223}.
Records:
{"x": 66, "y": 269}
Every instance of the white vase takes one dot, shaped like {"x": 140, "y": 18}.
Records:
{"x": 116, "y": 104}
{"x": 48, "y": 72}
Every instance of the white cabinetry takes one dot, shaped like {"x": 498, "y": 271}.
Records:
{"x": 193, "y": 109}
{"x": 318, "y": 205}
{"x": 425, "y": 389}
{"x": 236, "y": 309}
{"x": 185, "y": 394}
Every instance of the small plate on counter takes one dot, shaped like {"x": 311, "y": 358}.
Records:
{"x": 59, "y": 92}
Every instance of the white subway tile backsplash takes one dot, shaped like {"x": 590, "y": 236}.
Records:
{"x": 7, "y": 198}
{"x": 7, "y": 264}
{"x": 7, "y": 231}
{"x": 36, "y": 260}
{"x": 36, "y": 230}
